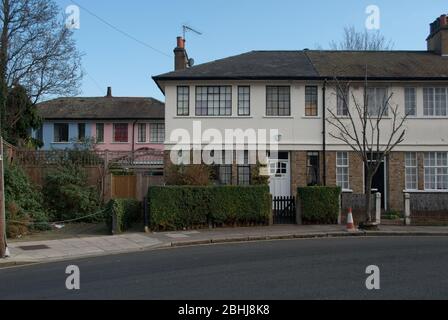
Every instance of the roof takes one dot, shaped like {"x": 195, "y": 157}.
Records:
{"x": 318, "y": 64}
{"x": 102, "y": 108}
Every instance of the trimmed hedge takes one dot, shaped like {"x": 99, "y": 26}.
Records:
{"x": 185, "y": 207}
{"x": 126, "y": 212}
{"x": 320, "y": 205}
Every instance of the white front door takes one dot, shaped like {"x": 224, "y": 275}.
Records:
{"x": 280, "y": 176}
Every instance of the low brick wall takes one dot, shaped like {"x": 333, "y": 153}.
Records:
{"x": 357, "y": 202}
{"x": 429, "y": 208}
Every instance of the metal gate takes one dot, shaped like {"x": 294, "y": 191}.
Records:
{"x": 284, "y": 210}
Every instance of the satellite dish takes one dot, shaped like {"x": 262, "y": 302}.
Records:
{"x": 191, "y": 62}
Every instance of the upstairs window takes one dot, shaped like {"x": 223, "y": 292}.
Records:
{"x": 377, "y": 101}
{"x": 61, "y": 132}
{"x": 157, "y": 133}
{"x": 244, "y": 101}
{"x": 214, "y": 101}
{"x": 278, "y": 101}
{"x": 311, "y": 109}
{"x": 81, "y": 131}
{"x": 121, "y": 133}
{"x": 342, "y": 100}
{"x": 183, "y": 101}
{"x": 100, "y": 132}
{"x": 410, "y": 102}
{"x": 141, "y": 134}
{"x": 435, "y": 101}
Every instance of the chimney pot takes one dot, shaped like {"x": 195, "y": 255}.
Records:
{"x": 109, "y": 92}
{"x": 180, "y": 55}
{"x": 438, "y": 37}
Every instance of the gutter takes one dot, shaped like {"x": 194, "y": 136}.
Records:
{"x": 324, "y": 132}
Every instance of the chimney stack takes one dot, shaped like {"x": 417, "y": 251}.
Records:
{"x": 438, "y": 38}
{"x": 180, "y": 55}
{"x": 109, "y": 92}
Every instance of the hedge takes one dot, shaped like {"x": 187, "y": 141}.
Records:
{"x": 126, "y": 212}
{"x": 186, "y": 207}
{"x": 319, "y": 205}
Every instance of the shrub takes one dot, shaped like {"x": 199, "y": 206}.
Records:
{"x": 320, "y": 205}
{"x": 191, "y": 175}
{"x": 126, "y": 212}
{"x": 68, "y": 195}
{"x": 181, "y": 207}
{"x": 23, "y": 203}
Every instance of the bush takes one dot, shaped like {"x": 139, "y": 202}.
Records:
{"x": 68, "y": 195}
{"x": 320, "y": 205}
{"x": 181, "y": 207}
{"x": 23, "y": 203}
{"x": 125, "y": 211}
{"x": 191, "y": 175}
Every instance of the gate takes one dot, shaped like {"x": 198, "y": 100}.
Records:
{"x": 284, "y": 210}
{"x": 124, "y": 187}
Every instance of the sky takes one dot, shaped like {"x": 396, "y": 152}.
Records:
{"x": 230, "y": 27}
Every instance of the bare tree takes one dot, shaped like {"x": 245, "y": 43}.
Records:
{"x": 362, "y": 41}
{"x": 37, "y": 50}
{"x": 364, "y": 129}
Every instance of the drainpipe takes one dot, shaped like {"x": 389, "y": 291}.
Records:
{"x": 324, "y": 132}
{"x": 133, "y": 139}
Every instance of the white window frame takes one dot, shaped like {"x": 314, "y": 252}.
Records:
{"x": 346, "y": 166}
{"x": 410, "y": 101}
{"x": 374, "y": 95}
{"x": 411, "y": 164}
{"x": 155, "y": 138}
{"x": 435, "y": 102}
{"x": 139, "y": 140}
{"x": 438, "y": 171}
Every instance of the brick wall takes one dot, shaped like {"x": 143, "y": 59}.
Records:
{"x": 397, "y": 180}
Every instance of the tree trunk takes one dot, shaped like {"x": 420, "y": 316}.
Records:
{"x": 369, "y": 180}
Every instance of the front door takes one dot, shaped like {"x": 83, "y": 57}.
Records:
{"x": 280, "y": 175}
{"x": 379, "y": 184}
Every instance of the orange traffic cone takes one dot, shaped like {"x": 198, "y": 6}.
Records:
{"x": 350, "y": 221}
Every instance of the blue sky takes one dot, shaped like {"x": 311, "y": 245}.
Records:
{"x": 229, "y": 27}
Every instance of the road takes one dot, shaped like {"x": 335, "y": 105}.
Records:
{"x": 411, "y": 268}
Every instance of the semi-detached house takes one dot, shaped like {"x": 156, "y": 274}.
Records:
{"x": 291, "y": 90}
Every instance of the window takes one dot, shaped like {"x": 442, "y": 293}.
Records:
{"x": 244, "y": 101}
{"x": 435, "y": 101}
{"x": 157, "y": 133}
{"x": 40, "y": 134}
{"x": 377, "y": 103}
{"x": 225, "y": 174}
{"x": 278, "y": 101}
{"x": 436, "y": 171}
{"x": 81, "y": 131}
{"x": 214, "y": 101}
{"x": 60, "y": 132}
{"x": 313, "y": 169}
{"x": 343, "y": 100}
{"x": 311, "y": 101}
{"x": 411, "y": 164}
{"x": 183, "y": 101}
{"x": 243, "y": 169}
{"x": 100, "y": 132}
{"x": 342, "y": 170}
{"x": 141, "y": 134}
{"x": 121, "y": 133}
{"x": 410, "y": 101}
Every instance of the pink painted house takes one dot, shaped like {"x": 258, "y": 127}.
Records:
{"x": 112, "y": 123}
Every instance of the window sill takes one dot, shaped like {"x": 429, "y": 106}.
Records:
{"x": 67, "y": 142}
{"x": 311, "y": 117}
{"x": 120, "y": 142}
{"x": 278, "y": 117}
{"x": 347, "y": 191}
{"x": 425, "y": 191}
{"x": 212, "y": 117}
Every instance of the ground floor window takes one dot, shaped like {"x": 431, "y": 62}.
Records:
{"x": 243, "y": 169}
{"x": 225, "y": 175}
{"x": 342, "y": 170}
{"x": 313, "y": 169}
{"x": 436, "y": 171}
{"x": 411, "y": 171}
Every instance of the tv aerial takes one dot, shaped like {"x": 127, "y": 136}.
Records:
{"x": 187, "y": 28}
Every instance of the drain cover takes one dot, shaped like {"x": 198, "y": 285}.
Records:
{"x": 34, "y": 248}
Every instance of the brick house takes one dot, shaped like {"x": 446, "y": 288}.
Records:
{"x": 291, "y": 91}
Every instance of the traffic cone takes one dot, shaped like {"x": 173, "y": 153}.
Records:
{"x": 350, "y": 221}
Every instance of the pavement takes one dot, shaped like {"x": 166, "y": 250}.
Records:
{"x": 326, "y": 268}
{"x": 23, "y": 253}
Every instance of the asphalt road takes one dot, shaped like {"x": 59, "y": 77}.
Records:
{"x": 411, "y": 268}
